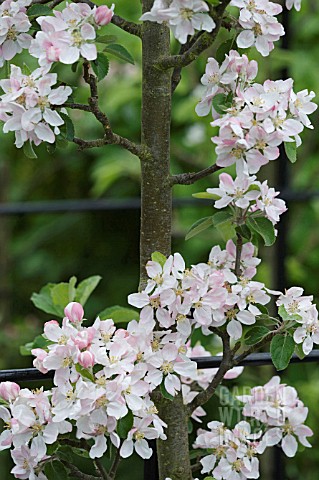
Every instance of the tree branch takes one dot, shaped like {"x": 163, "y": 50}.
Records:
{"x": 130, "y": 27}
{"x": 115, "y": 464}
{"x": 75, "y": 472}
{"x": 239, "y": 246}
{"x": 100, "y": 469}
{"x": 226, "y": 364}
{"x": 190, "y": 178}
{"x": 201, "y": 44}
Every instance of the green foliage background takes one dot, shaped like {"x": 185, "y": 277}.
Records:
{"x": 41, "y": 248}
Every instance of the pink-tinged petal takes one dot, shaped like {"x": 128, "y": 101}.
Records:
{"x": 186, "y": 369}
{"x": 245, "y": 317}
{"x": 138, "y": 300}
{"x": 153, "y": 269}
{"x": 88, "y": 32}
{"x": 142, "y": 449}
{"x": 289, "y": 445}
{"x": 69, "y": 55}
{"x": 170, "y": 352}
{"x": 126, "y": 449}
{"x": 245, "y": 39}
{"x": 44, "y": 132}
{"x": 234, "y": 329}
{"x": 9, "y": 49}
{"x": 88, "y": 51}
{"x": 52, "y": 117}
{"x": 99, "y": 447}
{"x": 208, "y": 463}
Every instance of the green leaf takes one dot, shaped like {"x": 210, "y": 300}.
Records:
{"x": 28, "y": 150}
{"x": 119, "y": 314}
{"x": 262, "y": 308}
{"x": 199, "y": 226}
{"x": 255, "y": 334}
{"x": 223, "y": 221}
{"x": 206, "y": 195}
{"x": 291, "y": 151}
{"x": 159, "y": 258}
{"x": 85, "y": 288}
{"x": 287, "y": 316}
{"x": 125, "y": 424}
{"x": 100, "y": 66}
{"x": 84, "y": 372}
{"x": 223, "y": 49}
{"x": 281, "y": 349}
{"x": 165, "y": 393}
{"x": 69, "y": 127}
{"x": 60, "y": 296}
{"x": 43, "y": 300}
{"x": 106, "y": 39}
{"x": 244, "y": 232}
{"x": 37, "y": 9}
{"x": 120, "y": 52}
{"x": 299, "y": 351}
{"x": 51, "y": 148}
{"x": 55, "y": 470}
{"x": 66, "y": 452}
{"x": 26, "y": 70}
{"x": 264, "y": 227}
{"x": 72, "y": 289}
{"x": 219, "y": 103}
{"x": 38, "y": 342}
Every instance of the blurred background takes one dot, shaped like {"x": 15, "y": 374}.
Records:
{"x": 37, "y": 248}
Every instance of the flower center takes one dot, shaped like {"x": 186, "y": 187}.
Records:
{"x": 167, "y": 367}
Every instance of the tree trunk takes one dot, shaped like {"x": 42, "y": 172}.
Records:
{"x": 156, "y": 217}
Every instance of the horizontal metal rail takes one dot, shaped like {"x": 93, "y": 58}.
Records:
{"x": 256, "y": 359}
{"x": 104, "y": 204}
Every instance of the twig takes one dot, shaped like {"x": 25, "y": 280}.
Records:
{"x": 226, "y": 364}
{"x": 115, "y": 464}
{"x": 100, "y": 469}
{"x": 75, "y": 472}
{"x": 239, "y": 247}
{"x": 202, "y": 43}
{"x": 190, "y": 178}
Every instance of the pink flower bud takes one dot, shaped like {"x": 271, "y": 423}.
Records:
{"x": 9, "y": 390}
{"x": 86, "y": 359}
{"x": 40, "y": 355}
{"x": 103, "y": 15}
{"x": 74, "y": 312}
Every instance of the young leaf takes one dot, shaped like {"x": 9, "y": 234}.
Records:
{"x": 38, "y": 9}
{"x": 159, "y": 258}
{"x": 165, "y": 393}
{"x": 60, "y": 296}
{"x": 120, "y": 52}
{"x": 255, "y": 334}
{"x": 28, "y": 150}
{"x": 38, "y": 342}
{"x": 54, "y": 470}
{"x": 223, "y": 49}
{"x": 287, "y": 316}
{"x": 119, "y": 314}
{"x": 299, "y": 351}
{"x": 291, "y": 151}
{"x": 281, "y": 349}
{"x": 125, "y": 424}
{"x": 84, "y": 372}
{"x": 199, "y": 226}
{"x": 69, "y": 127}
{"x": 43, "y": 300}
{"x": 219, "y": 103}
{"x": 224, "y": 224}
{"x": 264, "y": 227}
{"x": 107, "y": 39}
{"x": 100, "y": 66}
{"x": 206, "y": 195}
{"x": 85, "y": 288}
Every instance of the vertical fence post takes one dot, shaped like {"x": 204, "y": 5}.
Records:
{"x": 150, "y": 465}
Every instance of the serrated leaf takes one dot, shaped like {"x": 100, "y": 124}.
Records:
{"x": 38, "y": 342}
{"x": 206, "y": 195}
{"x": 223, "y": 50}
{"x": 219, "y": 103}
{"x": 281, "y": 349}
{"x": 37, "y": 9}
{"x": 255, "y": 335}
{"x": 125, "y": 424}
{"x": 60, "y": 296}
{"x": 159, "y": 258}
{"x": 69, "y": 127}
{"x": 199, "y": 226}
{"x": 84, "y": 372}
{"x": 106, "y": 39}
{"x": 54, "y": 470}
{"x": 291, "y": 151}
{"x": 224, "y": 224}
{"x": 43, "y": 300}
{"x": 264, "y": 227}
{"x": 165, "y": 393}
{"x": 85, "y": 288}
{"x": 28, "y": 150}
{"x": 299, "y": 351}
{"x": 244, "y": 232}
{"x": 100, "y": 66}
{"x": 120, "y": 52}
{"x": 72, "y": 289}
{"x": 119, "y": 314}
